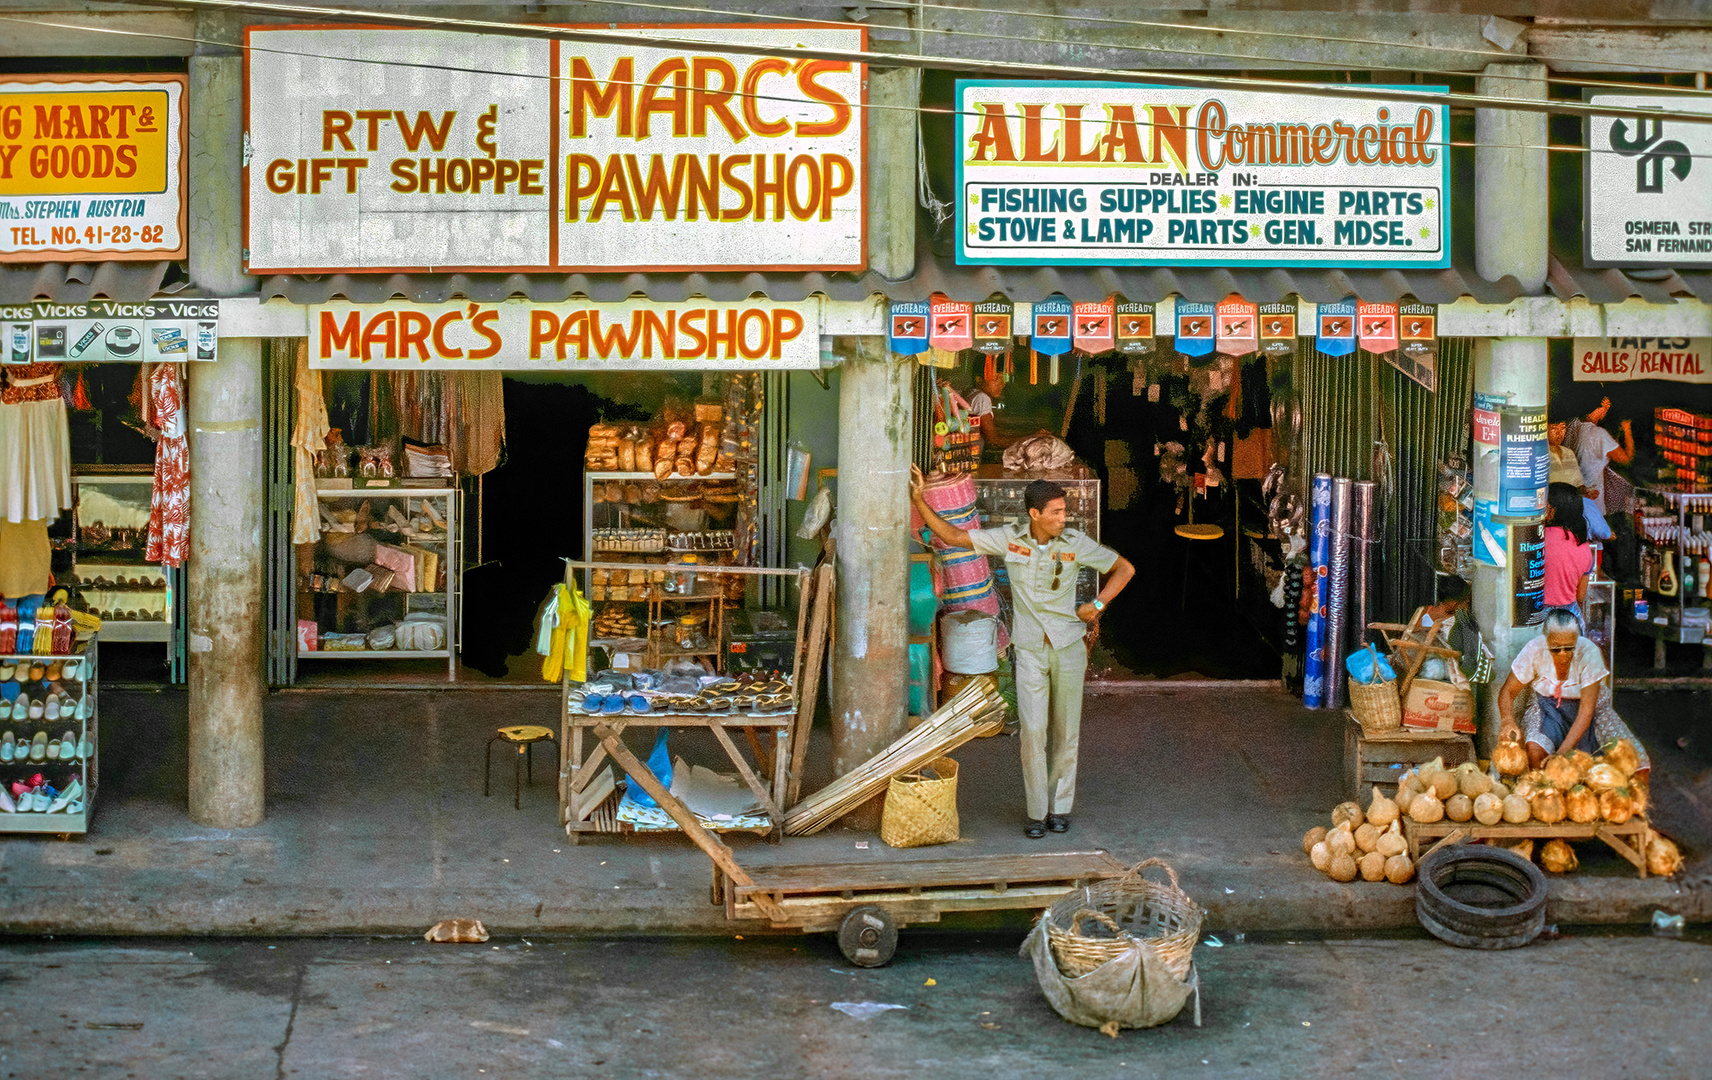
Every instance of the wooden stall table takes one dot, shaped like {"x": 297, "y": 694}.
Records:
{"x": 1628, "y": 839}
{"x": 1383, "y": 758}
{"x": 593, "y": 742}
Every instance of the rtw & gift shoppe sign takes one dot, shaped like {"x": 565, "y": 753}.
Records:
{"x": 1623, "y": 359}
{"x": 385, "y": 149}
{"x": 92, "y": 167}
{"x": 1060, "y": 173}
{"x": 573, "y": 336}
{"x": 1648, "y": 184}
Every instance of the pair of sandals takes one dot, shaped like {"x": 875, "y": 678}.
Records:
{"x": 613, "y": 704}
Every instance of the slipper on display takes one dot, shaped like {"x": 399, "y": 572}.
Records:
{"x": 593, "y": 702}
{"x": 611, "y": 705}
{"x": 638, "y": 704}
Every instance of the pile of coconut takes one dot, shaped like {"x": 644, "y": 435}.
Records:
{"x": 1367, "y": 843}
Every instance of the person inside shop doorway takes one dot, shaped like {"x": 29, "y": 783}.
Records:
{"x": 1566, "y": 469}
{"x": 1047, "y": 629}
{"x": 983, "y": 408}
{"x": 1569, "y": 556}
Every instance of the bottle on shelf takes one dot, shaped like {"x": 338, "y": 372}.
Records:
{"x": 1667, "y": 579}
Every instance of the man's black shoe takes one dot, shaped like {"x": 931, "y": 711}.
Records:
{"x": 1058, "y": 822}
{"x": 1034, "y": 830}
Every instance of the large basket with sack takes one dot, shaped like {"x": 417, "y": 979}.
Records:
{"x": 921, "y": 807}
{"x": 1097, "y": 923}
{"x": 1377, "y": 706}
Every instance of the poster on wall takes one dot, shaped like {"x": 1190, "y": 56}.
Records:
{"x": 1524, "y": 469}
{"x": 92, "y": 167}
{"x": 636, "y": 335}
{"x": 1677, "y": 359}
{"x": 1528, "y": 574}
{"x": 106, "y": 331}
{"x": 1102, "y": 173}
{"x": 377, "y": 149}
{"x": 1648, "y": 183}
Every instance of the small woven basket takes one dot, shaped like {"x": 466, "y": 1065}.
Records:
{"x": 1377, "y": 706}
{"x": 1128, "y": 910}
{"x": 920, "y": 810}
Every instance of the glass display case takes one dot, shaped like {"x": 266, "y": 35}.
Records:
{"x": 110, "y": 575}
{"x": 999, "y": 501}
{"x": 381, "y": 582}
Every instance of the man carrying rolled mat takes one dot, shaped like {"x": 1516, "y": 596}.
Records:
{"x": 1047, "y": 629}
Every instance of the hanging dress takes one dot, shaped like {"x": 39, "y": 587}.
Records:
{"x": 35, "y": 445}
{"x": 169, "y": 507}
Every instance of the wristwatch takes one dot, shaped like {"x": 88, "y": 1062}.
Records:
{"x": 1099, "y": 605}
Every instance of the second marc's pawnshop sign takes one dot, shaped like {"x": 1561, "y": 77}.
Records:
{"x": 1059, "y": 173}
{"x": 384, "y": 149}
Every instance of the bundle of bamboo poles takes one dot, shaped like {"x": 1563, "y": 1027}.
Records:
{"x": 975, "y": 710}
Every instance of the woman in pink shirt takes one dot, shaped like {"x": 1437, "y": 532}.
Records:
{"x": 1569, "y": 558}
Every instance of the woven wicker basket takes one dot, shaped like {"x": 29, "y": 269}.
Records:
{"x": 1128, "y": 910}
{"x": 1377, "y": 706}
{"x": 921, "y": 811}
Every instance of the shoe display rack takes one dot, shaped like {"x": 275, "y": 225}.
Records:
{"x": 48, "y": 741}
{"x": 382, "y": 582}
{"x": 110, "y": 575}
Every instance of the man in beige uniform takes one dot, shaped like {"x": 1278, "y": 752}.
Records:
{"x": 1047, "y": 629}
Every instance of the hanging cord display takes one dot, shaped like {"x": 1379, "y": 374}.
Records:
{"x": 940, "y": 209}
{"x": 1075, "y": 389}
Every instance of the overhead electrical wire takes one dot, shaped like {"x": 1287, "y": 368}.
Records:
{"x": 1012, "y": 69}
{"x": 929, "y": 110}
{"x": 652, "y": 5}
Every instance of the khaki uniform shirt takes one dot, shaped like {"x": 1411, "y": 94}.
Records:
{"x": 1043, "y": 580}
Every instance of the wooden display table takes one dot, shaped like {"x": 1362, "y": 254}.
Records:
{"x": 1628, "y": 839}
{"x": 1382, "y": 759}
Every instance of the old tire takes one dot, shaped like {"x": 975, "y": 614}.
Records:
{"x": 868, "y": 937}
{"x": 1475, "y": 896}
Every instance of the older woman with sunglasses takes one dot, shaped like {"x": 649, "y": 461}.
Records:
{"x": 1569, "y": 706}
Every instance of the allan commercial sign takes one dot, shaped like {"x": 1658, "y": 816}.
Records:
{"x": 573, "y": 336}
{"x": 1649, "y": 184}
{"x": 1060, "y": 173}
{"x": 92, "y": 167}
{"x": 384, "y": 149}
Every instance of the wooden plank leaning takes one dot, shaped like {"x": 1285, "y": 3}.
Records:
{"x": 808, "y": 677}
{"x": 715, "y": 848}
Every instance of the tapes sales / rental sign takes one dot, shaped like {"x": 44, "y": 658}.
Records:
{"x": 1102, "y": 173}
{"x": 386, "y": 149}
{"x": 92, "y": 166}
{"x": 1648, "y": 183}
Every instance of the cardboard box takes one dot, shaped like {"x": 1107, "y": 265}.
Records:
{"x": 1438, "y": 706}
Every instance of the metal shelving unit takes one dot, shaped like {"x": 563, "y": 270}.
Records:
{"x": 82, "y": 687}
{"x": 444, "y": 543}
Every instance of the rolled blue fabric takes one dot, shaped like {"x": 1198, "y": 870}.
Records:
{"x": 1319, "y": 552}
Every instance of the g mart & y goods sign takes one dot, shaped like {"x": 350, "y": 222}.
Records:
{"x": 383, "y": 149}
{"x": 92, "y": 167}
{"x": 1098, "y": 173}
{"x": 517, "y": 335}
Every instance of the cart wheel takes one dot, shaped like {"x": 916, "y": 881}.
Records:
{"x": 868, "y": 937}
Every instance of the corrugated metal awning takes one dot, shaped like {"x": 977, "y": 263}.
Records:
{"x": 1567, "y": 279}
{"x": 77, "y": 283}
{"x": 934, "y": 274}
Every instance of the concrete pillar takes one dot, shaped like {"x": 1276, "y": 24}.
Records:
{"x": 870, "y": 702}
{"x": 1511, "y": 214}
{"x": 893, "y": 94}
{"x": 226, "y": 574}
{"x": 1511, "y": 235}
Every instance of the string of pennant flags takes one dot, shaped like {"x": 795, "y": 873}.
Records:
{"x": 1404, "y": 333}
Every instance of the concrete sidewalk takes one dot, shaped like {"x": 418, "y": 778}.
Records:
{"x": 377, "y": 825}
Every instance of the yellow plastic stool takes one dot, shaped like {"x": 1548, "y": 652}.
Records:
{"x": 1193, "y": 532}
{"x": 524, "y": 737}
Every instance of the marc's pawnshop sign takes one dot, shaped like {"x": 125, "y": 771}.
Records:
{"x": 388, "y": 149}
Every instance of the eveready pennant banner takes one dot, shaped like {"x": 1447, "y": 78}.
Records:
{"x": 386, "y": 149}
{"x": 517, "y": 335}
{"x": 92, "y": 167}
{"x": 1058, "y": 173}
